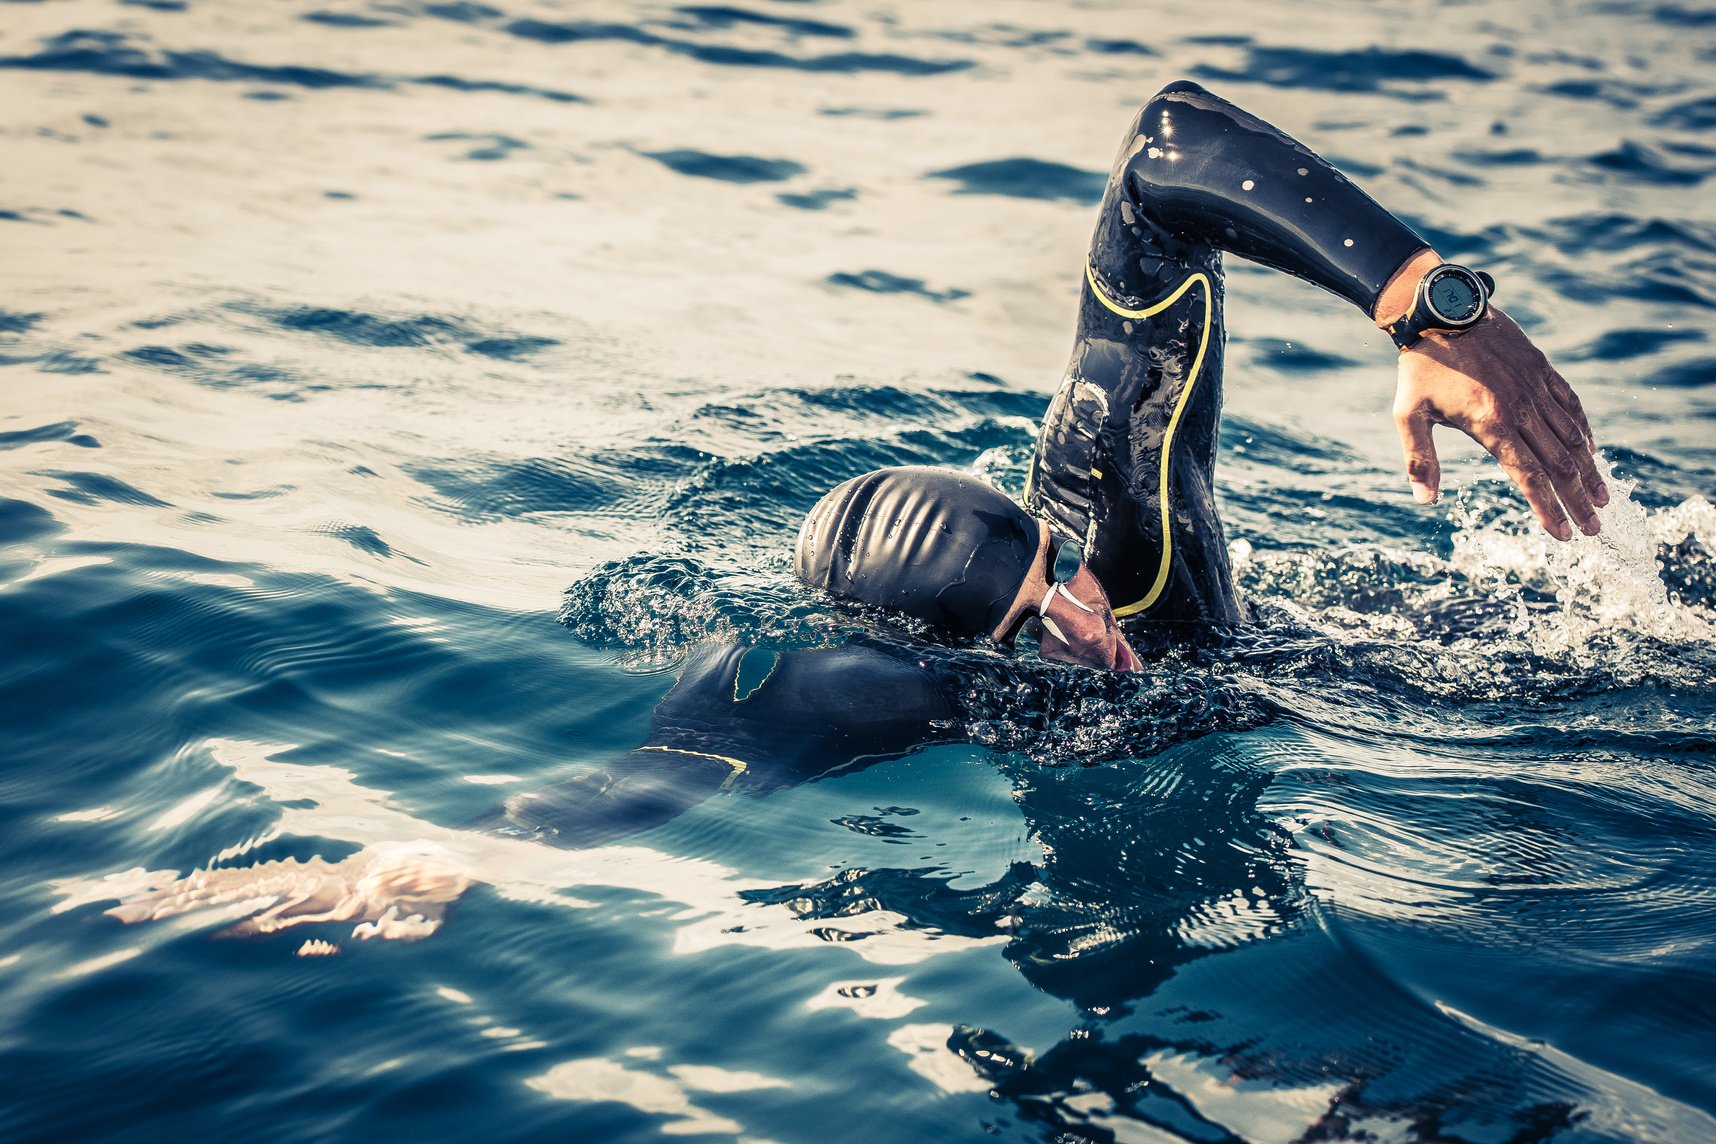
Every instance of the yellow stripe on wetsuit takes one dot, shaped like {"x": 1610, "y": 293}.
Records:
{"x": 1161, "y": 581}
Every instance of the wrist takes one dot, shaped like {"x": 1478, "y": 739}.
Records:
{"x": 1396, "y": 298}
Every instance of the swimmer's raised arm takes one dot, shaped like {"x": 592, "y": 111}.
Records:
{"x": 1208, "y": 172}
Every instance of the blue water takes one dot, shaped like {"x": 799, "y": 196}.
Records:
{"x": 395, "y": 393}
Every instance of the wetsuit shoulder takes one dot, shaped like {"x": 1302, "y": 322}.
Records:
{"x": 781, "y": 716}
{"x": 751, "y": 718}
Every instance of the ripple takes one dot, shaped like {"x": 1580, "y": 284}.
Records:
{"x": 18, "y": 323}
{"x": 462, "y": 12}
{"x": 727, "y": 168}
{"x": 122, "y": 54}
{"x": 99, "y": 488}
{"x": 852, "y": 63}
{"x": 1692, "y": 115}
{"x": 881, "y": 282}
{"x": 218, "y": 367}
{"x": 421, "y": 331}
{"x": 1024, "y": 178}
{"x": 1686, "y": 374}
{"x": 115, "y": 53}
{"x": 1679, "y": 16}
{"x": 1369, "y": 70}
{"x": 1119, "y": 47}
{"x": 619, "y": 483}
{"x": 817, "y": 200}
{"x": 721, "y": 17}
{"x": 1647, "y": 164}
{"x": 66, "y": 431}
{"x": 460, "y": 83}
{"x": 1626, "y": 344}
{"x": 346, "y": 20}
{"x": 21, "y": 521}
{"x": 360, "y": 537}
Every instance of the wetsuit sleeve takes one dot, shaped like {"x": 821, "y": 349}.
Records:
{"x": 1210, "y": 173}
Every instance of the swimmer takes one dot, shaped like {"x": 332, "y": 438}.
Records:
{"x": 1121, "y": 537}
{"x": 1121, "y": 488}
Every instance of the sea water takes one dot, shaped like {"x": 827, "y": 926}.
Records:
{"x": 393, "y": 394}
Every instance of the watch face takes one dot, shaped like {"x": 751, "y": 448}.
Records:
{"x": 1455, "y": 295}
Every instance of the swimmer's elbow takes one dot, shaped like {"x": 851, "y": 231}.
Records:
{"x": 1178, "y": 86}
{"x": 1155, "y": 121}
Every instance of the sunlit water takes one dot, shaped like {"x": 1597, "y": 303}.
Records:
{"x": 337, "y": 342}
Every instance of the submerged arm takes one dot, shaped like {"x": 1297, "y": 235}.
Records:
{"x": 1208, "y": 172}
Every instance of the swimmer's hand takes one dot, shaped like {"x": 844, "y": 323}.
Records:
{"x": 395, "y": 891}
{"x": 1492, "y": 384}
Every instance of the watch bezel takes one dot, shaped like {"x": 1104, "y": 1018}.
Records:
{"x": 1471, "y": 278}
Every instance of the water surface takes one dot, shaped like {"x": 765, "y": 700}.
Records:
{"x": 396, "y": 393}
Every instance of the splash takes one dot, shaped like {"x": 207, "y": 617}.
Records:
{"x": 1509, "y": 614}
{"x": 652, "y": 609}
{"x": 1611, "y": 601}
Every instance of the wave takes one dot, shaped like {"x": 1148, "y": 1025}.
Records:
{"x": 1379, "y": 70}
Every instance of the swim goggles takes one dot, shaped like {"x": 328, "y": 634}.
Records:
{"x": 1069, "y": 558}
{"x": 1057, "y": 571}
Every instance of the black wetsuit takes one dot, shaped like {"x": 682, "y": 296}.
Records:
{"x": 1126, "y": 453}
{"x": 756, "y": 719}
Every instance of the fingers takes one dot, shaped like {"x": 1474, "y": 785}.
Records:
{"x": 1521, "y": 465}
{"x": 1563, "y": 464}
{"x": 1570, "y": 403}
{"x": 1423, "y": 468}
{"x": 1568, "y": 432}
{"x": 1494, "y": 385}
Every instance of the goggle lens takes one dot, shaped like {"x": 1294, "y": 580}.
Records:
{"x": 1068, "y": 561}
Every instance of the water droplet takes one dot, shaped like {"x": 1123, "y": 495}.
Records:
{"x": 1247, "y": 185}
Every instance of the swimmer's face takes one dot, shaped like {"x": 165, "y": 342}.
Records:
{"x": 1078, "y": 624}
{"x": 1079, "y": 627}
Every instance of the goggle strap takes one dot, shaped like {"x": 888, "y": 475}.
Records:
{"x": 1077, "y": 603}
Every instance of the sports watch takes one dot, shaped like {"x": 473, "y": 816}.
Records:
{"x": 1450, "y": 298}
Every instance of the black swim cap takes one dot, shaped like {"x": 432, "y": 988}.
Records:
{"x": 935, "y": 543}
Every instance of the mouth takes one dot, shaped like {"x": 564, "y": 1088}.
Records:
{"x": 1125, "y": 659}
